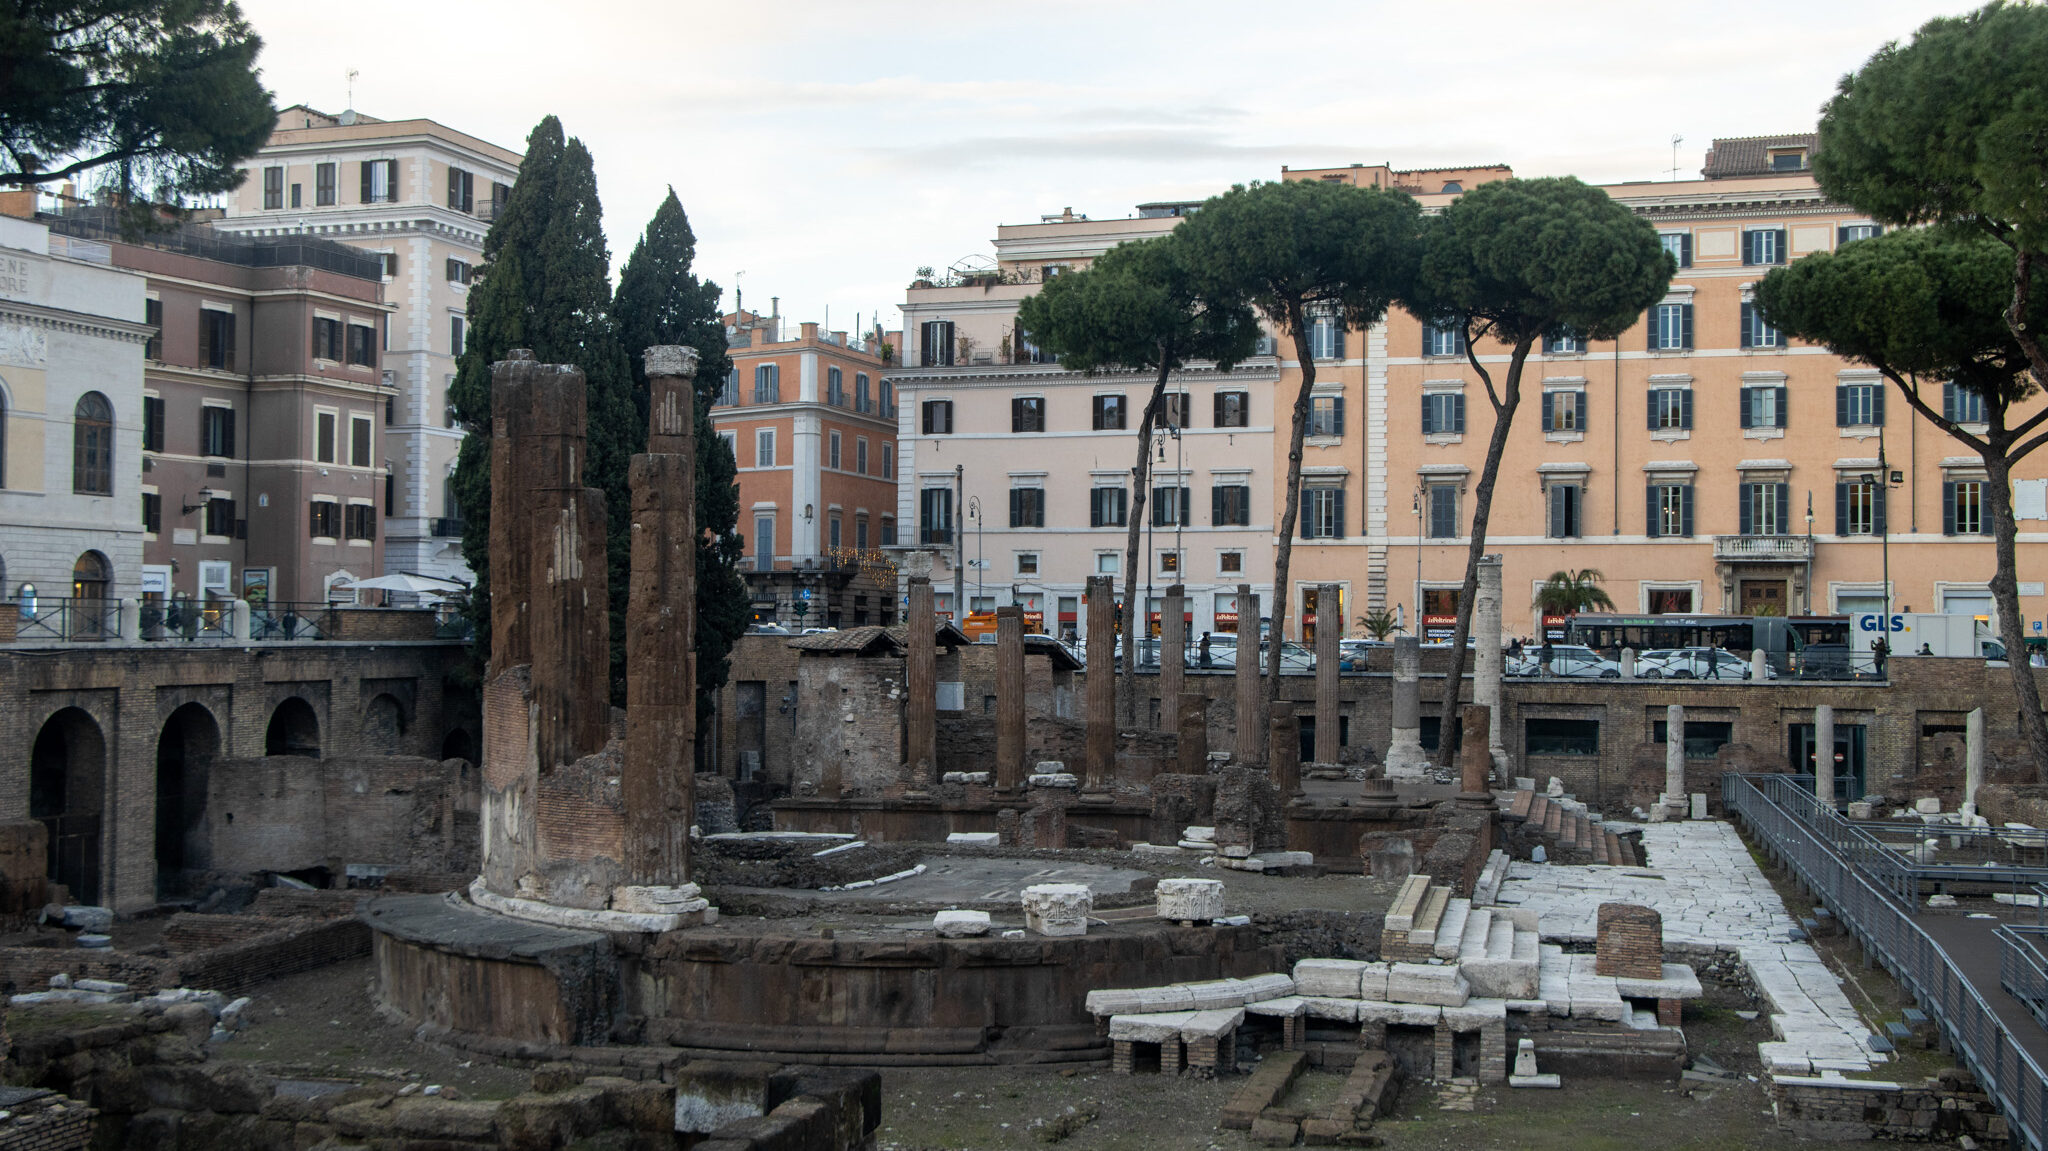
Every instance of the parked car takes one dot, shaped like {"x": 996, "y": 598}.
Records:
{"x": 1352, "y": 653}
{"x": 1694, "y": 663}
{"x": 1567, "y": 661}
{"x": 1294, "y": 658}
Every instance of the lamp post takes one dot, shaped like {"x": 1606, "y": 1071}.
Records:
{"x": 980, "y": 556}
{"x": 1809, "y": 551}
{"x": 1419, "y": 636}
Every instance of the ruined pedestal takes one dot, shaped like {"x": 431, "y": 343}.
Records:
{"x": 1101, "y": 685}
{"x": 1283, "y": 747}
{"x": 1674, "y": 761}
{"x": 921, "y": 688}
{"x": 1329, "y": 704}
{"x": 1193, "y": 745}
{"x": 1009, "y": 698}
{"x": 1058, "y": 908}
{"x": 1190, "y": 900}
{"x": 1173, "y": 655}
{"x": 1405, "y": 756}
{"x": 1629, "y": 941}
{"x": 1251, "y": 711}
{"x": 1474, "y": 760}
{"x": 1824, "y": 754}
{"x": 1487, "y": 656}
{"x": 1973, "y": 759}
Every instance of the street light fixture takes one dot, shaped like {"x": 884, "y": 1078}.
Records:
{"x": 1419, "y": 490}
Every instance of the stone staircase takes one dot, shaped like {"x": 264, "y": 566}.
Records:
{"x": 1569, "y": 832}
{"x": 1495, "y": 948}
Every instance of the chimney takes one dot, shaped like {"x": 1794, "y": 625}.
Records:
{"x": 809, "y": 329}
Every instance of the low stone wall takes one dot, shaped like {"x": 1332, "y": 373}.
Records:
{"x": 1940, "y": 1109}
{"x": 226, "y": 953}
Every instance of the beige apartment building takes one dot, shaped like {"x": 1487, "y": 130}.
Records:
{"x": 1014, "y": 473}
{"x": 420, "y": 196}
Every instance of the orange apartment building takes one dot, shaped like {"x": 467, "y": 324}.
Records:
{"x": 812, "y": 427}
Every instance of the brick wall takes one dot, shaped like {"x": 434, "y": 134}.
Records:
{"x": 286, "y": 813}
{"x": 237, "y": 967}
{"x": 1629, "y": 942}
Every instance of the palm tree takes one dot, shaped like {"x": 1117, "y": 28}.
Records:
{"x": 1570, "y": 592}
{"x": 1380, "y": 623}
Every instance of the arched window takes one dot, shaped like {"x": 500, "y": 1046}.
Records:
{"x": 90, "y": 576}
{"x": 92, "y": 446}
{"x": 1453, "y": 186}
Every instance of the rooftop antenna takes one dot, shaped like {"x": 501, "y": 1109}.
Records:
{"x": 738, "y": 312}
{"x": 1676, "y": 140}
{"x": 352, "y": 74}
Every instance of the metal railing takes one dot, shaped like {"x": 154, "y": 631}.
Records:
{"x": 288, "y": 621}
{"x": 59, "y": 619}
{"x": 2023, "y": 967}
{"x": 1908, "y": 856}
{"x": 1886, "y": 928}
{"x": 184, "y": 620}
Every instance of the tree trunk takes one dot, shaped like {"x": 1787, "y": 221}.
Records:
{"x": 1449, "y": 729}
{"x": 2005, "y": 594}
{"x": 1284, "y": 556}
{"x": 1135, "y": 622}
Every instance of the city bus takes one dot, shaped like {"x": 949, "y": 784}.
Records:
{"x": 1741, "y": 634}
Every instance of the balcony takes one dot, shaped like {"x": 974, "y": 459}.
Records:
{"x": 1763, "y": 549}
{"x": 447, "y": 527}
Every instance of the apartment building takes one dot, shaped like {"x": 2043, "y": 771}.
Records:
{"x": 1016, "y": 473}
{"x": 71, "y": 339}
{"x": 420, "y": 197}
{"x": 263, "y": 465}
{"x": 811, "y": 422}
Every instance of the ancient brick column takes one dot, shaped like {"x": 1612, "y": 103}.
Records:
{"x": 1192, "y": 708}
{"x": 1487, "y": 653}
{"x": 1675, "y": 799}
{"x": 1824, "y": 754}
{"x": 1009, "y": 698}
{"x": 1973, "y": 759}
{"x": 1283, "y": 747}
{"x": 1173, "y": 655}
{"x": 1404, "y": 744}
{"x": 657, "y": 783}
{"x": 1101, "y": 717}
{"x": 1251, "y": 704}
{"x": 921, "y": 689}
{"x": 1472, "y": 754}
{"x": 1329, "y": 708}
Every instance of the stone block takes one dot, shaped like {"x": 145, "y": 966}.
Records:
{"x": 98, "y": 919}
{"x": 1325, "y": 1007}
{"x": 1123, "y": 1001}
{"x": 710, "y": 1094}
{"x": 1199, "y": 834}
{"x": 1214, "y": 1024}
{"x": 1259, "y": 987}
{"x": 960, "y": 924}
{"x": 1372, "y": 980}
{"x": 1441, "y": 986}
{"x": 1337, "y": 978}
{"x": 1288, "y": 858}
{"x": 1057, "y": 779}
{"x": 1049, "y": 767}
{"x": 1196, "y": 900}
{"x": 1156, "y": 849}
{"x": 975, "y": 838}
{"x": 1405, "y": 1014}
{"x": 1164, "y": 1027}
{"x": 1928, "y": 806}
{"x": 1275, "y": 1132}
{"x": 1058, "y": 908}
{"x": 685, "y": 899}
{"x": 1157, "y": 999}
{"x": 1215, "y": 994}
{"x": 1281, "y": 1007}
{"x": 972, "y": 777}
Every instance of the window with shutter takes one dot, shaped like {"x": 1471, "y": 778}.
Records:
{"x": 152, "y": 423}
{"x": 1232, "y": 409}
{"x": 1443, "y": 511}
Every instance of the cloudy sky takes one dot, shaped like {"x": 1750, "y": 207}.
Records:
{"x": 827, "y": 150}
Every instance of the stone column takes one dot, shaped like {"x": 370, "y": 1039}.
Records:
{"x": 921, "y": 689}
{"x": 1283, "y": 747}
{"x": 1824, "y": 755}
{"x": 1472, "y": 766}
{"x": 1009, "y": 698}
{"x": 1329, "y": 629}
{"x": 1759, "y": 666}
{"x": 1675, "y": 799}
{"x": 1628, "y": 663}
{"x": 1101, "y": 685}
{"x": 1192, "y": 710}
{"x": 1973, "y": 759}
{"x": 1486, "y": 655}
{"x": 1404, "y": 745}
{"x": 1251, "y": 710}
{"x": 657, "y": 782}
{"x": 1173, "y": 656}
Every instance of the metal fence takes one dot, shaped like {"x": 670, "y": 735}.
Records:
{"x": 2023, "y": 967}
{"x": 1884, "y": 924}
{"x": 1906, "y": 857}
{"x": 185, "y": 620}
{"x": 291, "y": 621}
{"x": 58, "y": 619}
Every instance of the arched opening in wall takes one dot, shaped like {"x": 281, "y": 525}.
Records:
{"x": 66, "y": 790}
{"x": 459, "y": 745}
{"x": 91, "y": 578}
{"x": 185, "y": 752}
{"x": 383, "y": 726}
{"x": 294, "y": 730}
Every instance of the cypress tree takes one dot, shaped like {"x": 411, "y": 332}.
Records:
{"x": 660, "y": 301}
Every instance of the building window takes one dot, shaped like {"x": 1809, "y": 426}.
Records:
{"x": 323, "y": 185}
{"x": 324, "y": 429}
{"x": 863, "y": 401}
{"x": 461, "y": 190}
{"x": 1788, "y": 161}
{"x": 935, "y": 344}
{"x": 935, "y": 516}
{"x": 1443, "y": 511}
{"x": 1679, "y": 244}
{"x": 217, "y": 431}
{"x": 888, "y": 411}
{"x": 832, "y": 451}
{"x": 1108, "y": 563}
{"x": 1326, "y": 416}
{"x": 860, "y": 454}
{"x": 153, "y": 315}
{"x": 1109, "y": 413}
{"x": 835, "y": 387}
{"x": 1671, "y": 328}
{"x": 216, "y": 339}
{"x": 1765, "y": 509}
{"x": 361, "y": 522}
{"x": 1763, "y": 407}
{"x": 359, "y": 441}
{"x": 1230, "y": 505}
{"x": 1027, "y": 563}
{"x": 1849, "y": 232}
{"x": 220, "y": 517}
{"x": 1443, "y": 413}
{"x": 1169, "y": 563}
{"x": 1859, "y": 508}
{"x": 1670, "y": 511}
{"x": 1173, "y": 410}
{"x": 767, "y": 383}
{"x": 764, "y": 543}
{"x": 457, "y": 333}
{"x": 1230, "y": 563}
{"x": 327, "y": 339}
{"x": 1322, "y": 513}
{"x": 1326, "y": 337}
{"x": 152, "y": 423}
{"x": 1567, "y": 511}
{"x": 1563, "y": 342}
{"x": 1443, "y": 341}
{"x": 1962, "y": 508}
{"x": 152, "y": 513}
{"x": 833, "y": 530}
{"x": 888, "y": 461}
{"x": 1561, "y": 736}
{"x": 1027, "y": 413}
{"x": 390, "y": 261}
{"x": 362, "y": 345}
{"x": 1961, "y": 405}
{"x": 325, "y": 520}
{"x": 729, "y": 391}
{"x": 1756, "y": 331}
{"x": 1859, "y": 405}
{"x": 764, "y": 447}
{"x": 938, "y": 417}
{"x": 1703, "y": 738}
{"x": 888, "y": 531}
{"x": 459, "y": 271}
{"x": 1027, "y": 507}
{"x": 273, "y": 189}
{"x": 1108, "y": 507}
{"x": 1564, "y": 411}
{"x": 1169, "y": 507}
{"x": 1670, "y": 409}
{"x": 860, "y": 533}
{"x": 92, "y": 446}
{"x": 1233, "y": 409}
{"x": 380, "y": 181}
{"x": 1763, "y": 246}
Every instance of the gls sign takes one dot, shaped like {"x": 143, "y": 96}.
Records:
{"x": 1874, "y": 621}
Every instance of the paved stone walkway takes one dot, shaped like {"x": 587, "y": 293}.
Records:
{"x": 1703, "y": 881}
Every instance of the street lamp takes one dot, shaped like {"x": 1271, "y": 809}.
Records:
{"x": 1809, "y": 551}
{"x": 980, "y": 556}
{"x": 1418, "y": 562}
